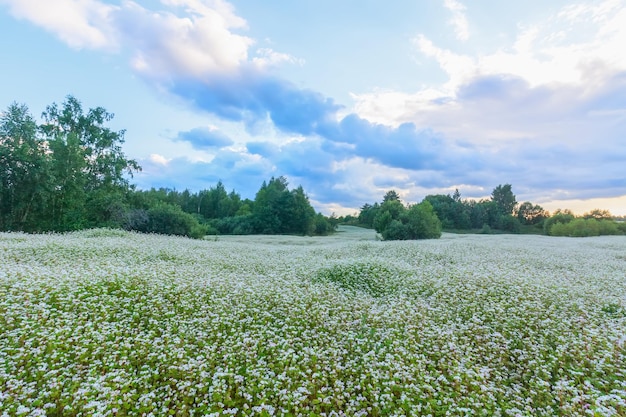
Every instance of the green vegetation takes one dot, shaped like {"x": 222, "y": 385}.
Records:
{"x": 70, "y": 173}
{"x": 394, "y": 221}
{"x": 594, "y": 223}
{"x": 499, "y": 214}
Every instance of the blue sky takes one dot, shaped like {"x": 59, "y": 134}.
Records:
{"x": 347, "y": 98}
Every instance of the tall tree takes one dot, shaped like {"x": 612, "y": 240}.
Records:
{"x": 504, "y": 199}
{"x": 24, "y": 179}
{"x": 86, "y": 158}
{"x": 391, "y": 195}
{"x": 529, "y": 213}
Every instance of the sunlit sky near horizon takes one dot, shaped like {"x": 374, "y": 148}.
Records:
{"x": 347, "y": 98}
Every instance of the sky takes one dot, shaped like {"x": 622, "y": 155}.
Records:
{"x": 347, "y": 98}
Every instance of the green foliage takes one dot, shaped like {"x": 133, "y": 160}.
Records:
{"x": 169, "y": 219}
{"x": 559, "y": 216}
{"x": 324, "y": 226}
{"x": 67, "y": 174}
{"x": 395, "y": 222}
{"x": 530, "y": 214}
{"x": 504, "y": 199}
{"x": 368, "y": 214}
{"x": 236, "y": 225}
{"x": 395, "y": 230}
{"x": 421, "y": 222}
{"x": 86, "y": 157}
{"x": 278, "y": 210}
{"x": 383, "y": 219}
{"x": 453, "y": 213}
{"x": 584, "y": 227}
{"x": 598, "y": 214}
{"x": 25, "y": 173}
{"x": 508, "y": 223}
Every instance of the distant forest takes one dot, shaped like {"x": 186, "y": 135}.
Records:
{"x": 70, "y": 173}
{"x": 499, "y": 214}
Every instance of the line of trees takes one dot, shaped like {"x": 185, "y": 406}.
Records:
{"x": 501, "y": 212}
{"x": 70, "y": 173}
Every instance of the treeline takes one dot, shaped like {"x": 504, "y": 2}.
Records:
{"x": 396, "y": 221}
{"x": 275, "y": 210}
{"x": 500, "y": 213}
{"x": 69, "y": 173}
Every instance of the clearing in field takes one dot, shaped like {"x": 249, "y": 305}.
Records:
{"x": 113, "y": 323}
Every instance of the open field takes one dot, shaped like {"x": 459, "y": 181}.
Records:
{"x": 113, "y": 323}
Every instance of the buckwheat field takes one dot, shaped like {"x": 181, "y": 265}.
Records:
{"x": 110, "y": 323}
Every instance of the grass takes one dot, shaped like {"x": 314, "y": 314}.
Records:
{"x": 123, "y": 324}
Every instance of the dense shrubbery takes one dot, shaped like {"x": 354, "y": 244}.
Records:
{"x": 169, "y": 219}
{"x": 585, "y": 227}
{"x": 394, "y": 221}
{"x": 594, "y": 223}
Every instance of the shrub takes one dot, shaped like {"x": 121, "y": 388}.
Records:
{"x": 169, "y": 219}
{"x": 509, "y": 223}
{"x": 322, "y": 225}
{"x": 396, "y": 231}
{"x": 236, "y": 225}
{"x": 422, "y": 222}
{"x": 558, "y": 217}
{"x": 609, "y": 227}
{"x": 584, "y": 227}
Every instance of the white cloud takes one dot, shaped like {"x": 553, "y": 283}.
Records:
{"x": 458, "y": 20}
{"x": 158, "y": 159}
{"x": 574, "y": 53}
{"x": 190, "y": 38}
{"x": 267, "y": 57}
{"x": 547, "y": 111}
{"x": 78, "y": 23}
{"x": 197, "y": 44}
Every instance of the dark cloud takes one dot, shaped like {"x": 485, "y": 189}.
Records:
{"x": 205, "y": 138}
{"x": 251, "y": 97}
{"x": 550, "y": 142}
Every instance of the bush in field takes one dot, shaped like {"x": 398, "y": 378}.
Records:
{"x": 323, "y": 226}
{"x": 236, "y": 225}
{"x": 609, "y": 227}
{"x": 395, "y": 222}
{"x": 509, "y": 223}
{"x": 395, "y": 231}
{"x": 422, "y": 222}
{"x": 584, "y": 227}
{"x": 169, "y": 219}
{"x": 558, "y": 217}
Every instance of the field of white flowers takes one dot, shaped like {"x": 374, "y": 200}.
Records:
{"x": 120, "y": 324}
